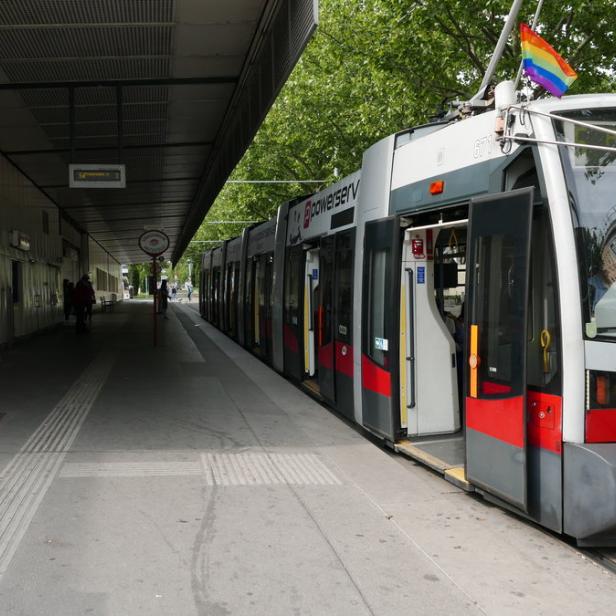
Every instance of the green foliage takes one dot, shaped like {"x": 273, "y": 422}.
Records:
{"x": 375, "y": 67}
{"x": 137, "y": 276}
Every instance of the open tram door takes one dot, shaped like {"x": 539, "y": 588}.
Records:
{"x": 312, "y": 317}
{"x": 379, "y": 355}
{"x": 497, "y": 300}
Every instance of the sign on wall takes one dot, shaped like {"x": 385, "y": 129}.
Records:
{"x": 96, "y": 176}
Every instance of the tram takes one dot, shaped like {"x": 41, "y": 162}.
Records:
{"x": 461, "y": 286}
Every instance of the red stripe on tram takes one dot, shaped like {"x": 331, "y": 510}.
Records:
{"x": 601, "y": 426}
{"x": 326, "y": 356}
{"x": 344, "y": 358}
{"x": 545, "y": 421}
{"x": 501, "y": 419}
{"x": 374, "y": 378}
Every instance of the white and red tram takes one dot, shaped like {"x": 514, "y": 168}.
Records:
{"x": 461, "y": 286}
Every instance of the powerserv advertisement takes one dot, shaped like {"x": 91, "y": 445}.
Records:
{"x": 332, "y": 209}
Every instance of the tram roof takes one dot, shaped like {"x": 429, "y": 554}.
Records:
{"x": 173, "y": 89}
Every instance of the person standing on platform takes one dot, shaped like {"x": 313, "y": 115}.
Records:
{"x": 91, "y": 299}
{"x": 163, "y": 298}
{"x": 189, "y": 289}
{"x": 81, "y": 299}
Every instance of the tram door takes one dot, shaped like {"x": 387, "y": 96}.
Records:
{"x": 216, "y": 298}
{"x": 497, "y": 296}
{"x": 263, "y": 324}
{"x": 379, "y": 360}
{"x": 311, "y": 312}
{"x": 293, "y": 313}
{"x": 343, "y": 321}
{"x": 228, "y": 289}
{"x": 325, "y": 318}
{"x": 233, "y": 273}
{"x": 257, "y": 301}
{"x": 249, "y": 293}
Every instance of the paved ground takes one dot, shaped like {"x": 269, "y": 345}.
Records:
{"x": 191, "y": 479}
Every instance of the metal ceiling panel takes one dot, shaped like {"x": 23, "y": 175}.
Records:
{"x": 174, "y": 89}
{"x": 75, "y": 42}
{"x": 51, "y": 12}
{"x": 86, "y": 69}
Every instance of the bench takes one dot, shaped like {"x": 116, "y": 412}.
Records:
{"x": 107, "y": 305}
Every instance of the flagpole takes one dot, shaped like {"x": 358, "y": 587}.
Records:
{"x": 532, "y": 27}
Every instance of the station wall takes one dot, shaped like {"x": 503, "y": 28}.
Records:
{"x": 105, "y": 272}
{"x": 38, "y": 250}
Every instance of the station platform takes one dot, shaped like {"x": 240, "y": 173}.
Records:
{"x": 191, "y": 479}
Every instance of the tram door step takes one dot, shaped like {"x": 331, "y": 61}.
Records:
{"x": 312, "y": 385}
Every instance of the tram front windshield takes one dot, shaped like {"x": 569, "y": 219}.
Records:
{"x": 591, "y": 180}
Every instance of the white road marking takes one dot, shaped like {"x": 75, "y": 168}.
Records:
{"x": 29, "y": 474}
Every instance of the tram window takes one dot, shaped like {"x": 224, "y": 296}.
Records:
{"x": 206, "y": 286}
{"x": 591, "y": 180}
{"x": 269, "y": 275}
{"x": 260, "y": 281}
{"x": 543, "y": 354}
{"x": 229, "y": 296}
{"x": 378, "y": 334}
{"x": 498, "y": 316}
{"x": 248, "y": 300}
{"x": 293, "y": 282}
{"x": 216, "y": 292}
{"x": 235, "y": 275}
{"x": 344, "y": 287}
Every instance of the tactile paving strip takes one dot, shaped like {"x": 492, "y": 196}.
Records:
{"x": 219, "y": 469}
{"x": 29, "y": 474}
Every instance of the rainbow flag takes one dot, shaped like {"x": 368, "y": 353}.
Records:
{"x": 543, "y": 65}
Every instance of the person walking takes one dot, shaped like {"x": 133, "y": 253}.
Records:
{"x": 163, "y": 299}
{"x": 189, "y": 289}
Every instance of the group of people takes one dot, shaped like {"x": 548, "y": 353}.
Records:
{"x": 78, "y": 299}
{"x": 164, "y": 294}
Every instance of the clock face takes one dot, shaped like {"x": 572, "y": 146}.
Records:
{"x": 154, "y": 243}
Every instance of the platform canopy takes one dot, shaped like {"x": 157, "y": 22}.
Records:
{"x": 173, "y": 89}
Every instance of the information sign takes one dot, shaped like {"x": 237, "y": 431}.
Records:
{"x": 421, "y": 275}
{"x": 154, "y": 242}
{"x": 97, "y": 176}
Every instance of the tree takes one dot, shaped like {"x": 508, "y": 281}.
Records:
{"x": 375, "y": 67}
